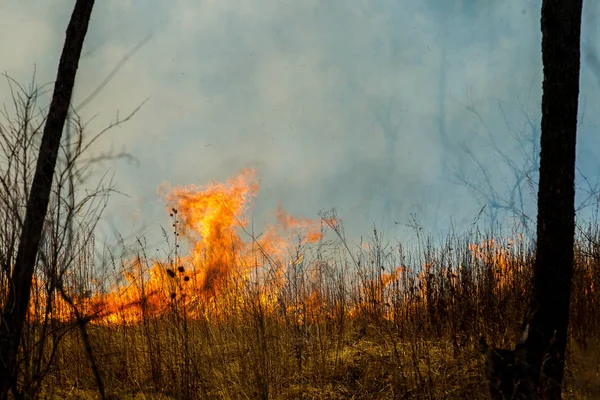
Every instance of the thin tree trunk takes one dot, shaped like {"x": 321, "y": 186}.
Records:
{"x": 546, "y": 326}
{"x": 15, "y": 309}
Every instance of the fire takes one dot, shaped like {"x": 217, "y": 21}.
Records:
{"x": 215, "y": 265}
{"x": 288, "y": 222}
{"x": 223, "y": 256}
{"x": 208, "y": 219}
{"x": 498, "y": 255}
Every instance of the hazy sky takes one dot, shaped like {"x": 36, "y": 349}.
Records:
{"x": 375, "y": 107}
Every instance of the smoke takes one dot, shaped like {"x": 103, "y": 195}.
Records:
{"x": 383, "y": 110}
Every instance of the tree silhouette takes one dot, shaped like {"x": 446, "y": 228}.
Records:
{"x": 546, "y": 325}
{"x": 15, "y": 309}
{"x": 538, "y": 366}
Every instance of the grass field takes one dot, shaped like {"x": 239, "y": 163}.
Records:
{"x": 295, "y": 312}
{"x": 334, "y": 321}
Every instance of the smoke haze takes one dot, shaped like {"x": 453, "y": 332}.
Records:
{"x": 381, "y": 109}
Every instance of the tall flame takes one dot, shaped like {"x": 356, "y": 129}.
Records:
{"x": 209, "y": 218}
{"x": 212, "y": 222}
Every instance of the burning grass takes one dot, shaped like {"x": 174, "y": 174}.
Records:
{"x": 299, "y": 313}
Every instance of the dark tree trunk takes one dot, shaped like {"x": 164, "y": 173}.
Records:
{"x": 546, "y": 325}
{"x": 535, "y": 368}
{"x": 15, "y": 309}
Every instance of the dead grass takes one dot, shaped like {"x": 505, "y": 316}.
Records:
{"x": 345, "y": 330}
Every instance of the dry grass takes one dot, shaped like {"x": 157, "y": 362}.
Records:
{"x": 339, "y": 328}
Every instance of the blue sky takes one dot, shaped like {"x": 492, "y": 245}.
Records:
{"x": 382, "y": 109}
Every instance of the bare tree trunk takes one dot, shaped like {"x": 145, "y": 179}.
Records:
{"x": 546, "y": 325}
{"x": 15, "y": 309}
{"x": 535, "y": 368}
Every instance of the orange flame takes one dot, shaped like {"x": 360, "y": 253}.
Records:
{"x": 211, "y": 221}
{"x": 208, "y": 220}
{"x": 498, "y": 256}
